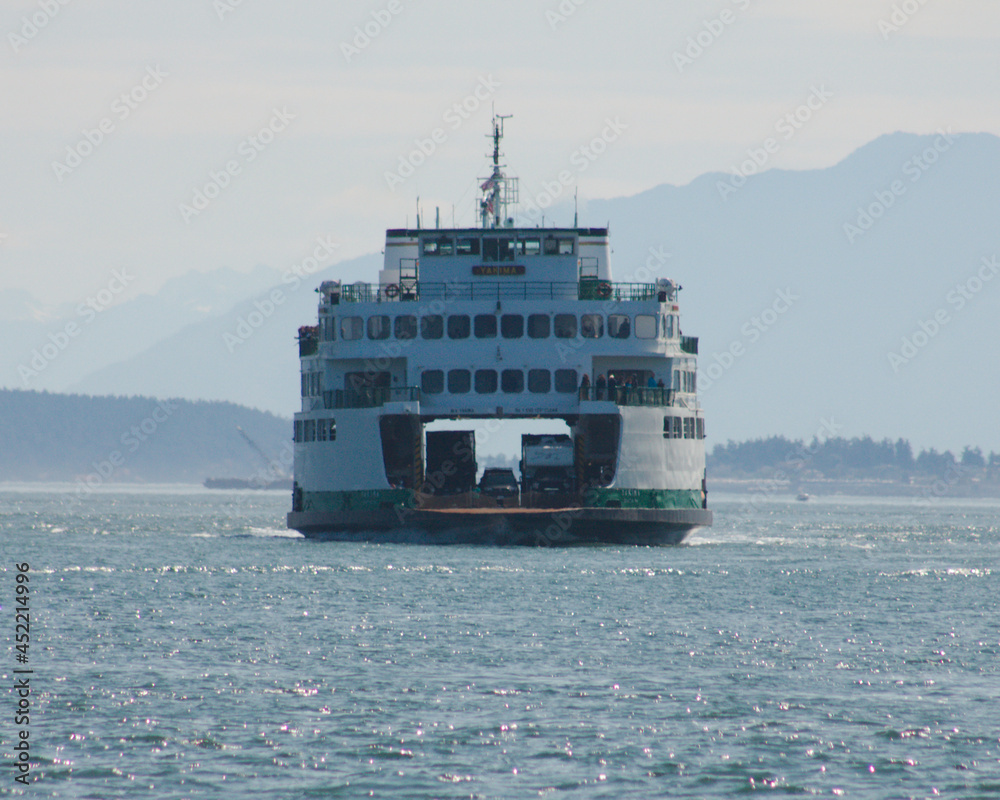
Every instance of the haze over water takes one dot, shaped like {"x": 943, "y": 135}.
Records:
{"x": 186, "y": 645}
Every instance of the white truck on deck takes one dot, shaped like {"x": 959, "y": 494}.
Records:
{"x": 547, "y": 464}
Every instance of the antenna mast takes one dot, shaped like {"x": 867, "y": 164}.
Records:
{"x": 499, "y": 191}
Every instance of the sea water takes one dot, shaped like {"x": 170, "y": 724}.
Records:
{"x": 184, "y": 644}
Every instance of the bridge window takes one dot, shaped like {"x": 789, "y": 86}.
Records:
{"x": 565, "y": 326}
{"x": 432, "y": 381}
{"x": 498, "y": 249}
{"x": 352, "y": 328}
{"x": 539, "y": 381}
{"x": 539, "y": 326}
{"x": 531, "y": 247}
{"x": 486, "y": 326}
{"x": 467, "y": 246}
{"x": 592, "y": 326}
{"x": 378, "y": 327}
{"x": 675, "y": 429}
{"x": 619, "y": 326}
{"x": 406, "y": 327}
{"x": 561, "y": 246}
{"x": 486, "y": 381}
{"x": 440, "y": 246}
{"x": 566, "y": 380}
{"x": 645, "y": 326}
{"x": 512, "y": 326}
{"x": 700, "y": 428}
{"x": 459, "y": 381}
{"x": 688, "y": 427}
{"x": 458, "y": 326}
{"x": 432, "y": 326}
{"x": 512, "y": 381}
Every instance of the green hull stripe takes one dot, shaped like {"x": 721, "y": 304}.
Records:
{"x": 643, "y": 498}
{"x": 359, "y": 500}
{"x": 375, "y": 499}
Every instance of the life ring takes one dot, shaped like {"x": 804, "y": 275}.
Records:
{"x": 604, "y": 290}
{"x": 392, "y": 290}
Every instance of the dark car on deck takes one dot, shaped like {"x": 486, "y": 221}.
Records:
{"x": 499, "y": 483}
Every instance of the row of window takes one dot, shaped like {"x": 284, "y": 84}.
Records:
{"x": 498, "y": 248}
{"x": 683, "y": 428}
{"x": 508, "y": 326}
{"x": 325, "y": 430}
{"x": 315, "y": 430}
{"x": 487, "y": 381}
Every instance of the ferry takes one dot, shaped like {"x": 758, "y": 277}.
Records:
{"x": 510, "y": 322}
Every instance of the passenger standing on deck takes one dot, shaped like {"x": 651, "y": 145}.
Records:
{"x": 612, "y": 388}
{"x": 585, "y": 387}
{"x": 601, "y": 383}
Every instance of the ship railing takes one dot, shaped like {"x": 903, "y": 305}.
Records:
{"x": 585, "y": 289}
{"x": 370, "y": 396}
{"x": 631, "y": 395}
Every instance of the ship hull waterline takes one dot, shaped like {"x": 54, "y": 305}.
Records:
{"x": 504, "y": 527}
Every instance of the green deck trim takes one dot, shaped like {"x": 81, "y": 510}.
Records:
{"x": 643, "y": 498}
{"x": 358, "y": 500}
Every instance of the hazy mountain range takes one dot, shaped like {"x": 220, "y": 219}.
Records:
{"x": 851, "y": 300}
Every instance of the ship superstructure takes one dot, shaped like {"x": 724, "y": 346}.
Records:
{"x": 498, "y": 321}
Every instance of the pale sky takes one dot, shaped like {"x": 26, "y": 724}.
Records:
{"x": 116, "y": 114}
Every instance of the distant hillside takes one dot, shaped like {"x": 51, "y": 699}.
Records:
{"x": 57, "y": 437}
